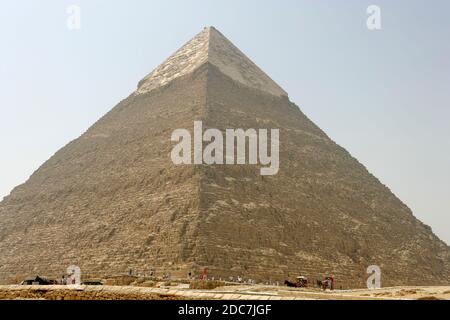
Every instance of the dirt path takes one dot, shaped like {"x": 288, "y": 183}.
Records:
{"x": 223, "y": 293}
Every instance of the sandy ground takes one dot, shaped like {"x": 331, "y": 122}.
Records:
{"x": 256, "y": 292}
{"x": 394, "y": 293}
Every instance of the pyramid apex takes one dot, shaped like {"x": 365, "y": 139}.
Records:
{"x": 211, "y": 46}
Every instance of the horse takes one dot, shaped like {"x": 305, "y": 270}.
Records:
{"x": 290, "y": 284}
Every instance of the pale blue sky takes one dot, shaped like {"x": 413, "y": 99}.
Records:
{"x": 383, "y": 95}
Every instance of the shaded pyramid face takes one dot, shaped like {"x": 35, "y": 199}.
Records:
{"x": 112, "y": 200}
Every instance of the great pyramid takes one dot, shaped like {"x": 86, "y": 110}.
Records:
{"x": 112, "y": 200}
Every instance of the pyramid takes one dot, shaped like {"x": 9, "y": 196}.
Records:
{"x": 112, "y": 200}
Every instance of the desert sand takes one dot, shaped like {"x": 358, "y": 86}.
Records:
{"x": 255, "y": 292}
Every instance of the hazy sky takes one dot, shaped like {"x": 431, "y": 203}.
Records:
{"x": 383, "y": 95}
